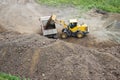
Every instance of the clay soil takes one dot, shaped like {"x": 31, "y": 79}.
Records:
{"x": 26, "y": 53}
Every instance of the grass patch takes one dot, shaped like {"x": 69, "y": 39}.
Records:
{"x": 107, "y": 5}
{"x": 4, "y": 76}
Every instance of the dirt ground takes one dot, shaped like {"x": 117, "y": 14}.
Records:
{"x": 24, "y": 52}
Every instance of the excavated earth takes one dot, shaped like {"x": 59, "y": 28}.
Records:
{"x": 26, "y": 53}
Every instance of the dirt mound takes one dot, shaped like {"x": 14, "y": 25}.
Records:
{"x": 39, "y": 58}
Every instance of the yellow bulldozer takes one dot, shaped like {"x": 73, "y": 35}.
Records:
{"x": 70, "y": 30}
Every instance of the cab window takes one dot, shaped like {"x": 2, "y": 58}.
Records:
{"x": 72, "y": 25}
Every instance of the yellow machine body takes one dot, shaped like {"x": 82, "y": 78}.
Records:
{"x": 82, "y": 28}
{"x": 72, "y": 29}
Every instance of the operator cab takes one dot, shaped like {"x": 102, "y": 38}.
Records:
{"x": 72, "y": 23}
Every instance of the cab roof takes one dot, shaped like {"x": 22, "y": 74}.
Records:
{"x": 73, "y": 20}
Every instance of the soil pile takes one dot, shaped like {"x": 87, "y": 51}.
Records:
{"x": 40, "y": 58}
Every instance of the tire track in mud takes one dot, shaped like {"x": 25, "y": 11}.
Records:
{"x": 34, "y": 61}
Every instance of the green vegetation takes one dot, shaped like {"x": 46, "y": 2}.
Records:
{"x": 4, "y": 76}
{"x": 107, "y": 5}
